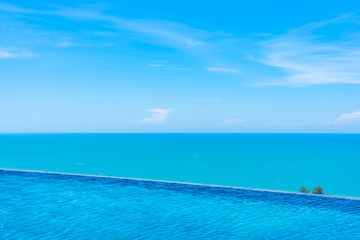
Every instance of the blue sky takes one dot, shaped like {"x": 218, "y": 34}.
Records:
{"x": 186, "y": 66}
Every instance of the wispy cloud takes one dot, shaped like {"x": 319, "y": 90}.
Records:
{"x": 196, "y": 43}
{"x": 66, "y": 44}
{"x": 167, "y": 67}
{"x": 303, "y": 56}
{"x": 220, "y": 69}
{"x": 10, "y": 8}
{"x": 234, "y": 121}
{"x": 308, "y": 59}
{"x": 157, "y": 31}
{"x": 347, "y": 118}
{"x": 156, "y": 65}
{"x": 159, "y": 115}
{"x": 15, "y": 53}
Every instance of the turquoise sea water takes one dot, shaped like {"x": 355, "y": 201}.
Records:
{"x": 268, "y": 161}
{"x": 57, "y": 206}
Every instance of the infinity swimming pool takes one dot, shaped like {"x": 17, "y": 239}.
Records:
{"x": 60, "y": 206}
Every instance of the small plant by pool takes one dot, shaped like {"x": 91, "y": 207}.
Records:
{"x": 304, "y": 189}
{"x": 316, "y": 190}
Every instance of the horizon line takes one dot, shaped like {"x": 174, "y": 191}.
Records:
{"x": 8, "y": 133}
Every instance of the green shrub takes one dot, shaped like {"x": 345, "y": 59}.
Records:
{"x": 304, "y": 189}
{"x": 317, "y": 190}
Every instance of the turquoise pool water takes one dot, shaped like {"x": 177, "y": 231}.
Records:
{"x": 268, "y": 161}
{"x": 53, "y": 206}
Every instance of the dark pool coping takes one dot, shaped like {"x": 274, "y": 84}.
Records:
{"x": 182, "y": 183}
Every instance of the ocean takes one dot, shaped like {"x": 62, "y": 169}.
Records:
{"x": 266, "y": 161}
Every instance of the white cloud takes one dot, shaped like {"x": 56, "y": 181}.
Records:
{"x": 6, "y": 54}
{"x": 14, "y": 53}
{"x": 309, "y": 59}
{"x": 11, "y": 8}
{"x": 159, "y": 115}
{"x": 347, "y": 118}
{"x": 156, "y": 65}
{"x": 234, "y": 121}
{"x": 167, "y": 67}
{"x": 219, "y": 69}
{"x": 66, "y": 44}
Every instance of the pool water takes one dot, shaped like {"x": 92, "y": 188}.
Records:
{"x": 61, "y": 206}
